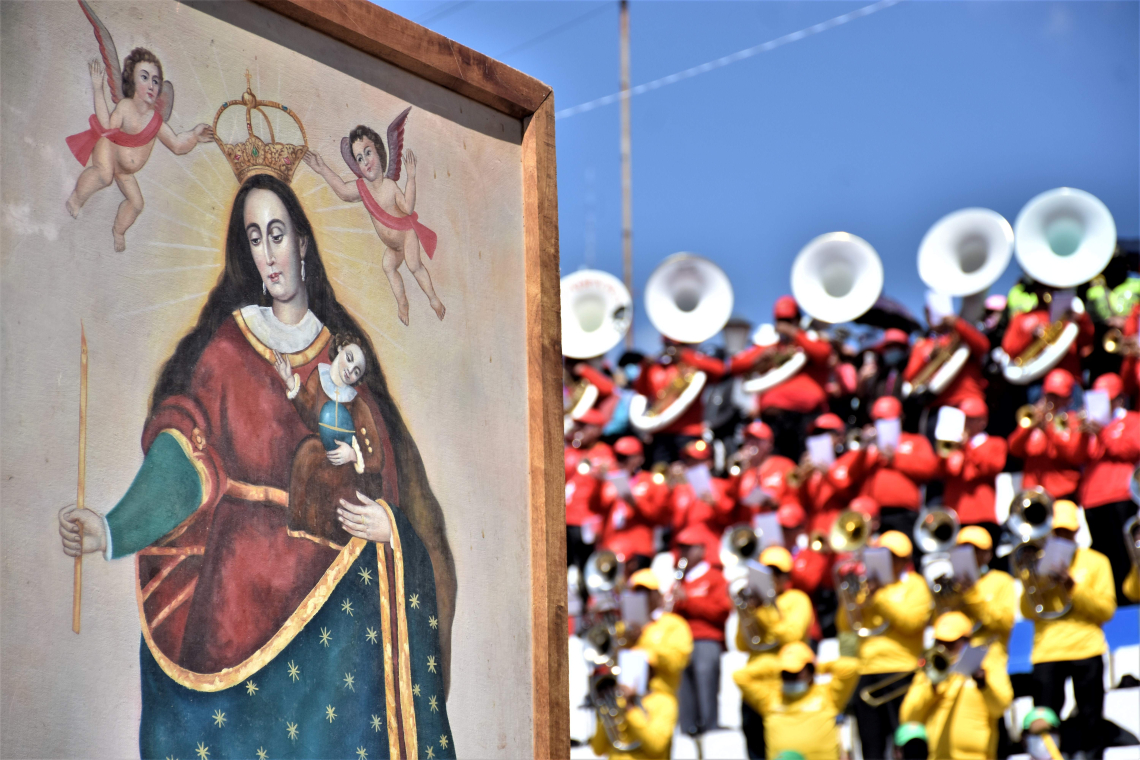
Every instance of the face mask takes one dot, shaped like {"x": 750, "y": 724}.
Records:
{"x": 1035, "y": 746}
{"x": 893, "y": 356}
{"x": 632, "y": 371}
{"x": 795, "y": 688}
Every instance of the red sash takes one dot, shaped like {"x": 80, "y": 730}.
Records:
{"x": 83, "y": 143}
{"x": 410, "y": 222}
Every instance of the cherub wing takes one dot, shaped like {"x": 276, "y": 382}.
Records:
{"x": 396, "y": 145}
{"x": 346, "y": 154}
{"x": 107, "y": 50}
{"x": 166, "y": 100}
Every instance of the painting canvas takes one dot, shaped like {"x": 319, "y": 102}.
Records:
{"x": 287, "y": 280}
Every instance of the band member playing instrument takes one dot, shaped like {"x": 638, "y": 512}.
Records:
{"x": 945, "y": 335}
{"x": 1073, "y": 645}
{"x": 788, "y": 620}
{"x": 990, "y": 602}
{"x": 960, "y": 711}
{"x": 711, "y": 511}
{"x": 1113, "y": 453}
{"x": 788, "y": 407}
{"x": 586, "y": 457}
{"x": 667, "y": 643}
{"x": 824, "y": 493}
{"x": 632, "y": 506}
{"x": 895, "y": 474}
{"x": 905, "y": 605}
{"x": 1026, "y": 327}
{"x": 1052, "y": 450}
{"x": 881, "y": 373}
{"x": 970, "y": 471}
{"x": 762, "y": 485}
{"x": 656, "y": 377}
{"x": 608, "y": 398}
{"x": 701, "y": 598}
{"x": 1130, "y": 365}
{"x": 799, "y": 713}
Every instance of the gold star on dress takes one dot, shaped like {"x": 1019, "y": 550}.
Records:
{"x": 433, "y": 704}
{"x": 330, "y": 713}
{"x": 203, "y": 751}
{"x": 370, "y": 634}
{"x": 433, "y": 622}
{"x": 376, "y": 723}
{"x": 414, "y": 600}
{"x": 294, "y": 672}
{"x": 250, "y": 687}
{"x": 430, "y": 753}
{"x": 366, "y": 576}
{"x": 291, "y": 729}
{"x": 349, "y": 679}
{"x": 262, "y": 754}
{"x": 362, "y": 753}
{"x": 326, "y": 635}
{"x": 443, "y": 741}
{"x": 346, "y": 606}
{"x": 431, "y": 664}
{"x": 415, "y": 689}
{"x": 219, "y": 718}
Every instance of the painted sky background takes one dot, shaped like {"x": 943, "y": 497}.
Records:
{"x": 877, "y": 127}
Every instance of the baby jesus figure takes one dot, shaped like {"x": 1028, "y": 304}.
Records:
{"x": 344, "y": 431}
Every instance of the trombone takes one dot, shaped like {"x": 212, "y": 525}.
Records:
{"x": 936, "y": 662}
{"x": 1031, "y": 521}
{"x": 850, "y": 533}
{"x": 610, "y": 706}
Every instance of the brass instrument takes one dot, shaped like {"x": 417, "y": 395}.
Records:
{"x": 678, "y": 576}
{"x": 596, "y": 313}
{"x": 611, "y": 706}
{"x": 946, "y": 449}
{"x": 936, "y": 662}
{"x": 1031, "y": 415}
{"x": 1116, "y": 342}
{"x": 857, "y": 438}
{"x": 850, "y": 533}
{"x": 1031, "y": 521}
{"x": 668, "y": 395}
{"x": 938, "y": 358}
{"x": 936, "y": 533}
{"x": 741, "y": 544}
{"x": 1132, "y": 539}
{"x": 798, "y": 475}
{"x": 1039, "y": 344}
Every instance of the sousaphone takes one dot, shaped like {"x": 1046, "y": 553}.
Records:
{"x": 837, "y": 277}
{"x": 963, "y": 254}
{"x": 1064, "y": 237}
{"x": 777, "y": 365}
{"x": 689, "y": 300}
{"x": 596, "y": 311}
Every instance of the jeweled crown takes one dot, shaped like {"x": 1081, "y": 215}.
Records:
{"x": 255, "y": 156}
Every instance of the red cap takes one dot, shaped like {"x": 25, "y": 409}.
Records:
{"x": 628, "y": 446}
{"x": 759, "y": 430}
{"x": 791, "y": 515}
{"x": 893, "y": 335}
{"x": 828, "y": 421}
{"x": 1110, "y": 383}
{"x": 697, "y": 449}
{"x": 1059, "y": 382}
{"x": 865, "y": 505}
{"x": 693, "y": 535}
{"x": 786, "y": 308}
{"x": 886, "y": 408}
{"x": 972, "y": 406}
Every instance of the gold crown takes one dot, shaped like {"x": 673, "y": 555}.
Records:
{"x": 255, "y": 156}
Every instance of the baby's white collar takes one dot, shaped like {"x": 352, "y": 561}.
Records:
{"x": 341, "y": 393}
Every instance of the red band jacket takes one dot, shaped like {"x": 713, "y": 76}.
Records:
{"x": 706, "y": 604}
{"x": 629, "y": 520}
{"x": 583, "y": 489}
{"x": 895, "y": 483}
{"x": 1020, "y": 334}
{"x": 1053, "y": 457}
{"x": 804, "y": 392}
{"x": 969, "y": 476}
{"x": 1112, "y": 456}
{"x": 969, "y": 381}
{"x": 656, "y": 377}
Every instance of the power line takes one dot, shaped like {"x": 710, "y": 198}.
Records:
{"x": 442, "y": 11}
{"x": 740, "y": 55}
{"x": 556, "y": 30}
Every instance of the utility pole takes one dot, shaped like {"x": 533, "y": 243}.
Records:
{"x": 626, "y": 168}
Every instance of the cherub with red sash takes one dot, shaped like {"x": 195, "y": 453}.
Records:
{"x": 119, "y": 141}
{"x": 392, "y": 211}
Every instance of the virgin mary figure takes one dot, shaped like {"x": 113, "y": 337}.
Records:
{"x": 258, "y": 641}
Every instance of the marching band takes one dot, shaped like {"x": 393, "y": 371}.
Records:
{"x": 810, "y": 488}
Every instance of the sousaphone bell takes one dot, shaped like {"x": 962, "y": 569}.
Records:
{"x": 596, "y": 313}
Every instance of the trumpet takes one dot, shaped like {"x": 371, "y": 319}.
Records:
{"x": 1116, "y": 342}
{"x": 1032, "y": 415}
{"x": 1031, "y": 520}
{"x": 610, "y": 705}
{"x": 850, "y": 533}
{"x": 678, "y": 576}
{"x": 936, "y": 662}
{"x": 946, "y": 449}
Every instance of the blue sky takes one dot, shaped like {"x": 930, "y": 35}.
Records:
{"x": 877, "y": 127}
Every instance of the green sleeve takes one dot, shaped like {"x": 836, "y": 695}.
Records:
{"x": 165, "y": 492}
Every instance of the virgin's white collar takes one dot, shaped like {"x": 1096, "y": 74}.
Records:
{"x": 341, "y": 393}
{"x": 275, "y": 334}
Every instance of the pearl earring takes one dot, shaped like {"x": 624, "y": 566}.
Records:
{"x": 302, "y": 270}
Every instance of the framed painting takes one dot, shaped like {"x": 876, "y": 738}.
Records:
{"x": 296, "y": 481}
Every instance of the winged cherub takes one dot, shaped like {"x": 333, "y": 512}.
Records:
{"x": 119, "y": 141}
{"x": 392, "y": 211}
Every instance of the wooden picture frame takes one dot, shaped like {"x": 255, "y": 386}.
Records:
{"x": 398, "y": 41}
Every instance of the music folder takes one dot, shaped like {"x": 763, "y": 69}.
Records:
{"x": 633, "y": 670}
{"x": 821, "y": 450}
{"x": 700, "y": 479}
{"x": 970, "y": 660}
{"x": 634, "y": 607}
{"x": 1057, "y": 556}
{"x": 965, "y": 564}
{"x": 761, "y": 584}
{"x": 620, "y": 479}
{"x": 877, "y": 561}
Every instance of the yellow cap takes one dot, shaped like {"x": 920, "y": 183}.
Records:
{"x": 795, "y": 657}
{"x": 645, "y": 578}
{"x": 898, "y": 543}
{"x": 778, "y": 557}
{"x": 977, "y": 536}
{"x": 1065, "y": 515}
{"x": 951, "y": 626}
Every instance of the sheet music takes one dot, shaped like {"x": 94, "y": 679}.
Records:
{"x": 767, "y": 527}
{"x": 965, "y": 564}
{"x": 1062, "y": 303}
{"x": 760, "y": 581}
{"x": 951, "y": 425}
{"x": 887, "y": 433}
{"x": 635, "y": 607}
{"x": 700, "y": 479}
{"x": 620, "y": 479}
{"x": 821, "y": 450}
{"x": 970, "y": 660}
{"x": 633, "y": 665}
{"x": 877, "y": 561}
{"x": 1057, "y": 556}
{"x": 1098, "y": 407}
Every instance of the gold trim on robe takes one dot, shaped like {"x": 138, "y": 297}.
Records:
{"x": 397, "y": 629}
{"x": 298, "y": 359}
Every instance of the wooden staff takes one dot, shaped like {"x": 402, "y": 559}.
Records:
{"x": 78, "y": 592}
